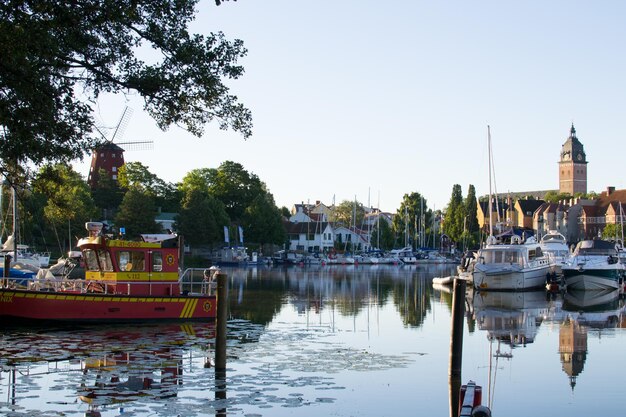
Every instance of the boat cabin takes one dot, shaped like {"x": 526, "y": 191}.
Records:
{"x": 126, "y": 267}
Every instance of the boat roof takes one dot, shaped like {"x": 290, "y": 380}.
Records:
{"x": 596, "y": 245}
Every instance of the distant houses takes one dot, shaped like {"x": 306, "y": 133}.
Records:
{"x": 311, "y": 229}
{"x": 576, "y": 219}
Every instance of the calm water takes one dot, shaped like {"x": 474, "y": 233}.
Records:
{"x": 330, "y": 341}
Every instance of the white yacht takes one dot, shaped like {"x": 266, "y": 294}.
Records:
{"x": 511, "y": 267}
{"x": 554, "y": 245}
{"x": 594, "y": 265}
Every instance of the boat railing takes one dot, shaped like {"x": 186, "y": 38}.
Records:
{"x": 81, "y": 286}
{"x": 196, "y": 281}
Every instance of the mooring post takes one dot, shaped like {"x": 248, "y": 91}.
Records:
{"x": 458, "y": 315}
{"x": 6, "y": 270}
{"x": 456, "y": 344}
{"x": 221, "y": 322}
{"x": 220, "y": 342}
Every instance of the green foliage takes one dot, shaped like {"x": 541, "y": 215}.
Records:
{"x": 262, "y": 221}
{"x": 471, "y": 236}
{"x": 235, "y": 187}
{"x": 196, "y": 178}
{"x": 202, "y": 218}
{"x": 386, "y": 239}
{"x": 612, "y": 231}
{"x": 51, "y": 50}
{"x": 165, "y": 195}
{"x": 406, "y": 222}
{"x": 68, "y": 196}
{"x": 555, "y": 196}
{"x": 107, "y": 195}
{"x": 345, "y": 212}
{"x": 455, "y": 215}
{"x": 136, "y": 213}
{"x": 67, "y": 200}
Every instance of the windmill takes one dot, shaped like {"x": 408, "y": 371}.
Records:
{"x": 109, "y": 156}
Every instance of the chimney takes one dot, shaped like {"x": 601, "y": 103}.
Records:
{"x": 609, "y": 190}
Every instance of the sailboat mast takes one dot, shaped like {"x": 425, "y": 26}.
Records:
{"x": 490, "y": 194}
{"x": 14, "y": 196}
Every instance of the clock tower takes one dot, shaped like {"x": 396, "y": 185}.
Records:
{"x": 573, "y": 166}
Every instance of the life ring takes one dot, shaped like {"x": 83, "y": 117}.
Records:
{"x": 516, "y": 240}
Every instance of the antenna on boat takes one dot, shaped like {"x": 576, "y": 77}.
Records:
{"x": 94, "y": 228}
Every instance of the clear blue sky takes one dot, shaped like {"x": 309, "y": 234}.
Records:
{"x": 356, "y": 97}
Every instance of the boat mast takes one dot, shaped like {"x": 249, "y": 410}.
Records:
{"x": 490, "y": 194}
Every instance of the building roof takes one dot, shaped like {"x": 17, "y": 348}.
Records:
{"x": 572, "y": 148}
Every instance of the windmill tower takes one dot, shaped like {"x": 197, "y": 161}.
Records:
{"x": 110, "y": 155}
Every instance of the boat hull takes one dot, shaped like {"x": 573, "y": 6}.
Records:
{"x": 97, "y": 307}
{"x": 510, "y": 279}
{"x": 589, "y": 279}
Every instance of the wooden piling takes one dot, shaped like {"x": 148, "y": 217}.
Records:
{"x": 221, "y": 322}
{"x": 456, "y": 339}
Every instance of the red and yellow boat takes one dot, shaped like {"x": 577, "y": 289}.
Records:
{"x": 124, "y": 281}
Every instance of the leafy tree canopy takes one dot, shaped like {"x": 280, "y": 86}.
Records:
{"x": 235, "y": 187}
{"x": 409, "y": 216}
{"x": 262, "y": 221}
{"x": 349, "y": 213}
{"x": 201, "y": 218}
{"x": 58, "y": 57}
{"x": 136, "y": 213}
{"x": 68, "y": 196}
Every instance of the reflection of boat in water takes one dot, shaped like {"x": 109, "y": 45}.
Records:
{"x": 594, "y": 309}
{"x": 511, "y": 317}
{"x": 110, "y": 363}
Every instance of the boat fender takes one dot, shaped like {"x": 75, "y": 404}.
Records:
{"x": 481, "y": 411}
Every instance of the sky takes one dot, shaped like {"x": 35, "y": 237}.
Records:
{"x": 369, "y": 100}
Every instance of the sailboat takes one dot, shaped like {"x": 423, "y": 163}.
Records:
{"x": 514, "y": 266}
{"x": 24, "y": 262}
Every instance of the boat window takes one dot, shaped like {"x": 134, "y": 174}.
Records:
{"x": 157, "y": 261}
{"x": 105, "y": 260}
{"x": 91, "y": 260}
{"x": 131, "y": 260}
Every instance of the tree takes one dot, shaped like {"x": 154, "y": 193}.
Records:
{"x": 455, "y": 215}
{"x": 262, "y": 221}
{"x": 472, "y": 231}
{"x": 53, "y": 50}
{"x": 196, "y": 178}
{"x": 555, "y": 197}
{"x": 107, "y": 195}
{"x": 612, "y": 231}
{"x": 68, "y": 199}
{"x": 165, "y": 195}
{"x": 409, "y": 217}
{"x": 386, "y": 239}
{"x": 201, "y": 218}
{"x": 235, "y": 187}
{"x": 349, "y": 213}
{"x": 136, "y": 213}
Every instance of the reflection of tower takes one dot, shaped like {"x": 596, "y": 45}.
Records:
{"x": 573, "y": 166}
{"x": 572, "y": 349}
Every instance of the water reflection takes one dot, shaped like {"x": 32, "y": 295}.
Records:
{"x": 579, "y": 314}
{"x": 257, "y": 294}
{"x": 100, "y": 365}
